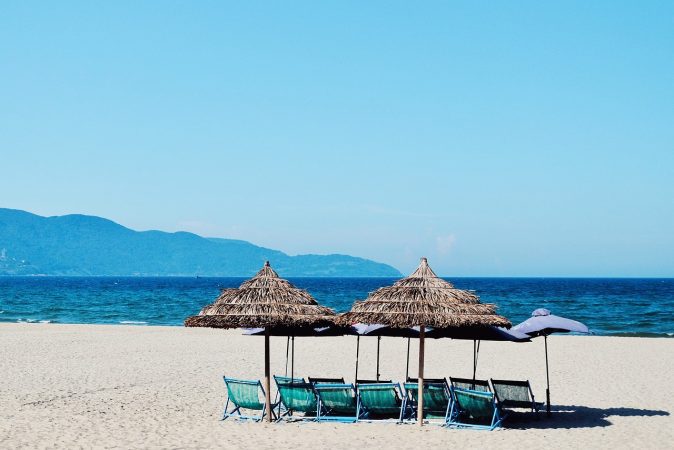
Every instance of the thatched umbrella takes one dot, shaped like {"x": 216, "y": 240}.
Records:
{"x": 265, "y": 301}
{"x": 423, "y": 300}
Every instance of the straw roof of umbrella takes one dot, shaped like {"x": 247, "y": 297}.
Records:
{"x": 263, "y": 301}
{"x": 423, "y": 299}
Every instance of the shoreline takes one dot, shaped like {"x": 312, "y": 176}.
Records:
{"x": 129, "y": 386}
{"x": 139, "y": 323}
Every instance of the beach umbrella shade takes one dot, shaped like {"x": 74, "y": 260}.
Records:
{"x": 379, "y": 330}
{"x": 543, "y": 323}
{"x": 422, "y": 300}
{"x": 474, "y": 333}
{"x": 478, "y": 334}
{"x": 265, "y": 301}
{"x": 292, "y": 332}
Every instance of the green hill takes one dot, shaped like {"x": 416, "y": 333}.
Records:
{"x": 88, "y": 245}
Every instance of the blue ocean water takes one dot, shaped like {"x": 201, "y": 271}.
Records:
{"x": 641, "y": 307}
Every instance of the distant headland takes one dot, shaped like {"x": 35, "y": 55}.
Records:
{"x": 79, "y": 245}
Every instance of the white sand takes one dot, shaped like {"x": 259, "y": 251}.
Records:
{"x": 84, "y": 386}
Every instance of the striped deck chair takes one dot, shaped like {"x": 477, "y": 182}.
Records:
{"x": 437, "y": 399}
{"x": 380, "y": 400}
{"x": 297, "y": 396}
{"x": 515, "y": 394}
{"x": 337, "y": 402}
{"x": 315, "y": 380}
{"x": 470, "y": 384}
{"x": 246, "y": 394}
{"x": 282, "y": 411}
{"x": 474, "y": 409}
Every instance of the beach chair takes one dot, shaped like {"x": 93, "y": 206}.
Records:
{"x": 474, "y": 409}
{"x": 366, "y": 381}
{"x": 314, "y": 380}
{"x": 437, "y": 399}
{"x": 296, "y": 395}
{"x": 380, "y": 400}
{"x": 246, "y": 394}
{"x": 337, "y": 402}
{"x": 283, "y": 379}
{"x": 470, "y": 384}
{"x": 515, "y": 394}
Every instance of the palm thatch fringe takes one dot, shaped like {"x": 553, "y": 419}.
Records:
{"x": 263, "y": 301}
{"x": 423, "y": 299}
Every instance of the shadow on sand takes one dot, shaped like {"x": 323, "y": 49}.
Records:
{"x": 576, "y": 417}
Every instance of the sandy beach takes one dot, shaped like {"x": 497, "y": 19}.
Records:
{"x": 97, "y": 386}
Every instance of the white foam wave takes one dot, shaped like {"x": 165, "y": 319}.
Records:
{"x": 133, "y": 322}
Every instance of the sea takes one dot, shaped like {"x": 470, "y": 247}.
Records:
{"x": 608, "y": 306}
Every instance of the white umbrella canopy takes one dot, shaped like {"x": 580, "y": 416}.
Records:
{"x": 543, "y": 323}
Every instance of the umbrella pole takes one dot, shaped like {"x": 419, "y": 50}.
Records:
{"x": 378, "y": 343}
{"x": 407, "y": 368}
{"x": 547, "y": 376}
{"x": 474, "y": 360}
{"x": 285, "y": 374}
{"x": 476, "y": 355}
{"x": 357, "y": 351}
{"x": 292, "y": 364}
{"x": 420, "y": 411}
{"x": 267, "y": 383}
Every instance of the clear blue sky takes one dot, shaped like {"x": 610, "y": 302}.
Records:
{"x": 505, "y": 138}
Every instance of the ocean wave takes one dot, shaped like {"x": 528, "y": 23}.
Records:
{"x": 133, "y": 322}
{"x": 642, "y": 334}
{"x": 21, "y": 320}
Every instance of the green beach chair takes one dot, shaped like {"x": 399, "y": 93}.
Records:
{"x": 358, "y": 382}
{"x": 515, "y": 394}
{"x": 380, "y": 400}
{"x": 246, "y": 394}
{"x": 337, "y": 402}
{"x": 296, "y": 395}
{"x": 474, "y": 409}
{"x": 283, "y": 379}
{"x": 437, "y": 399}
{"x": 470, "y": 384}
{"x": 315, "y": 380}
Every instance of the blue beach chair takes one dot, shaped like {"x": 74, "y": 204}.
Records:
{"x": 437, "y": 400}
{"x": 296, "y": 395}
{"x": 337, "y": 402}
{"x": 246, "y": 394}
{"x": 515, "y": 394}
{"x": 380, "y": 400}
{"x": 282, "y": 411}
{"x": 474, "y": 409}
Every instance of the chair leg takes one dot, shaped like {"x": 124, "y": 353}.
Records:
{"x": 225, "y": 414}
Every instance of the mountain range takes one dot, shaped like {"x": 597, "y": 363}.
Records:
{"x": 80, "y": 245}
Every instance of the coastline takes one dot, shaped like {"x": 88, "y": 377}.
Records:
{"x": 130, "y": 386}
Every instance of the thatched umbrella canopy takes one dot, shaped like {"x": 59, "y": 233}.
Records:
{"x": 264, "y": 301}
{"x": 423, "y": 300}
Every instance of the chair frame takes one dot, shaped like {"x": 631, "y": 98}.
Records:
{"x": 323, "y": 413}
{"x": 314, "y": 380}
{"x": 474, "y": 382}
{"x": 236, "y": 412}
{"x": 505, "y": 403}
{"x": 410, "y": 405}
{"x": 295, "y": 382}
{"x": 365, "y": 413}
{"x": 452, "y": 420}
